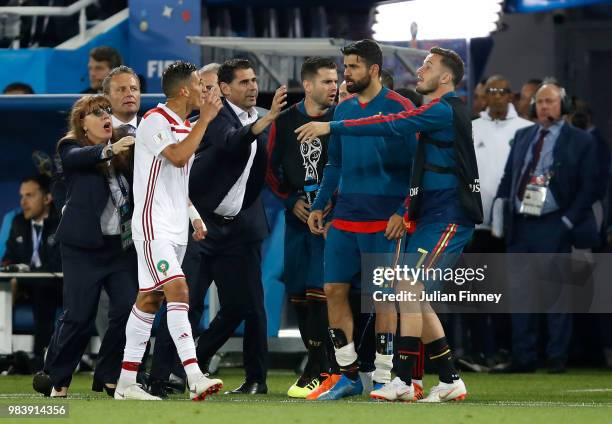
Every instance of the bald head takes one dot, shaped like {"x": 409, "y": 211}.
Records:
{"x": 548, "y": 100}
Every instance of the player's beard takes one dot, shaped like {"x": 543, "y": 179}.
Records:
{"x": 359, "y": 86}
{"x": 427, "y": 89}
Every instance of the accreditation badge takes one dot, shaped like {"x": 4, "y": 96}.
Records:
{"x": 535, "y": 196}
{"x": 126, "y": 227}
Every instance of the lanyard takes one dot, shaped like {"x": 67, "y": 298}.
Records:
{"x": 122, "y": 188}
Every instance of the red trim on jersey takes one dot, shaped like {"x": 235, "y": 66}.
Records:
{"x": 150, "y": 262}
{"x": 163, "y": 113}
{"x": 271, "y": 179}
{"x": 392, "y": 95}
{"x": 130, "y": 366}
{"x": 147, "y": 213}
{"x": 378, "y": 119}
{"x": 359, "y": 227}
{"x": 179, "y": 130}
{"x": 162, "y": 282}
{"x": 187, "y": 123}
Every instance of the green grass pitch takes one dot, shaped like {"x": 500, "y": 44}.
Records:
{"x": 581, "y": 396}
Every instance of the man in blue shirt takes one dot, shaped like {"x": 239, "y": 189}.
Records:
{"x": 444, "y": 200}
{"x": 372, "y": 180}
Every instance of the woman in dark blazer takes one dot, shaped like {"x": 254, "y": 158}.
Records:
{"x": 95, "y": 246}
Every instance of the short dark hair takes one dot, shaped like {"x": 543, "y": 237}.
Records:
{"x": 43, "y": 182}
{"x": 227, "y": 70}
{"x": 452, "y": 61}
{"x": 534, "y": 81}
{"x": 18, "y": 86}
{"x": 106, "y": 54}
{"x": 176, "y": 74}
{"x": 116, "y": 71}
{"x": 311, "y": 66}
{"x": 368, "y": 50}
{"x": 386, "y": 78}
{"x": 410, "y": 94}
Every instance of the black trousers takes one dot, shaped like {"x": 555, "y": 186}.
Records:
{"x": 235, "y": 267}
{"x": 86, "y": 271}
{"x": 46, "y": 298}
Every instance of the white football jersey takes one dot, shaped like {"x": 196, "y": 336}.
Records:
{"x": 160, "y": 188}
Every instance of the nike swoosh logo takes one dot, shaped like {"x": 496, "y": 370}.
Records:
{"x": 121, "y": 395}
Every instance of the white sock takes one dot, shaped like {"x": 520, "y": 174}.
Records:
{"x": 137, "y": 334}
{"x": 383, "y": 365}
{"x": 346, "y": 355}
{"x": 180, "y": 330}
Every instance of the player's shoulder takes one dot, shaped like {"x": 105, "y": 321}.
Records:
{"x": 345, "y": 104}
{"x": 396, "y": 100}
{"x": 154, "y": 116}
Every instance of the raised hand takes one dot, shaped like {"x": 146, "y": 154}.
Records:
{"x": 123, "y": 144}
{"x": 210, "y": 106}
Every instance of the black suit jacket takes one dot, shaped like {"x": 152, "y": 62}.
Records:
{"x": 87, "y": 195}
{"x": 220, "y": 160}
{"x": 19, "y": 246}
{"x": 574, "y": 181}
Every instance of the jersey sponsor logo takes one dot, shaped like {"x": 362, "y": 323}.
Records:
{"x": 163, "y": 266}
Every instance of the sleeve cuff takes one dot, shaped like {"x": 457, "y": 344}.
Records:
{"x": 335, "y": 127}
{"x": 567, "y": 222}
{"x": 401, "y": 211}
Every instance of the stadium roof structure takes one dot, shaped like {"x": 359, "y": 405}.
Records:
{"x": 302, "y": 47}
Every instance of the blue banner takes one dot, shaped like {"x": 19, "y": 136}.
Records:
{"x": 53, "y": 71}
{"x": 528, "y": 6}
{"x": 157, "y": 36}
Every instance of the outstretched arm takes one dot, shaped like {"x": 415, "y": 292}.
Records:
{"x": 434, "y": 115}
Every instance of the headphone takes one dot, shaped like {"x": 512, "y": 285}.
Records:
{"x": 566, "y": 101}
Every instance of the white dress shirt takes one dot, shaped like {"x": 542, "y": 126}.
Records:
{"x": 232, "y": 202}
{"x": 110, "y": 220}
{"x": 116, "y": 122}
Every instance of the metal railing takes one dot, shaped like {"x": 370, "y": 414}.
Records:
{"x": 77, "y": 7}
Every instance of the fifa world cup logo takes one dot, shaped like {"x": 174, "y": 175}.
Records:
{"x": 311, "y": 153}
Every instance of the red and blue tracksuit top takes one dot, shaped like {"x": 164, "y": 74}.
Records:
{"x": 440, "y": 199}
{"x": 371, "y": 176}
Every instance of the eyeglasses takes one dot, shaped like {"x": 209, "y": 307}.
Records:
{"x": 501, "y": 91}
{"x": 99, "y": 112}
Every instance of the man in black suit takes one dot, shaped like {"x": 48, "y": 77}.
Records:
{"x": 550, "y": 182}
{"x": 32, "y": 242}
{"x": 225, "y": 183}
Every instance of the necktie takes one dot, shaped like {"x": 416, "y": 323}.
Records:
{"x": 35, "y": 262}
{"x": 535, "y": 158}
{"x": 125, "y": 130}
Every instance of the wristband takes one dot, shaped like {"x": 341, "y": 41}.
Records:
{"x": 193, "y": 213}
